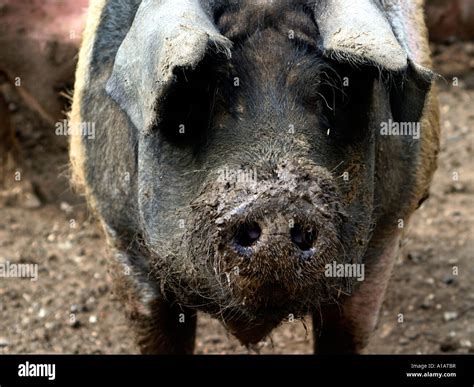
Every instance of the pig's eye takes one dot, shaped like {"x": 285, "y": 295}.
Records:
{"x": 345, "y": 100}
{"x": 186, "y": 111}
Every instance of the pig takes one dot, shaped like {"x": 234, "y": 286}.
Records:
{"x": 244, "y": 149}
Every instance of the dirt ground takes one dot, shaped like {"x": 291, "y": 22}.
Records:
{"x": 69, "y": 309}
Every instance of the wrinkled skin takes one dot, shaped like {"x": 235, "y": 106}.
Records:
{"x": 328, "y": 186}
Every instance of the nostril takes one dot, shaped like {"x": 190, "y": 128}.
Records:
{"x": 248, "y": 234}
{"x": 303, "y": 237}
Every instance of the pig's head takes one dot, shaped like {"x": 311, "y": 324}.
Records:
{"x": 256, "y": 152}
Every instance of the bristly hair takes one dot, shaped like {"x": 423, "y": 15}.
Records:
{"x": 239, "y": 20}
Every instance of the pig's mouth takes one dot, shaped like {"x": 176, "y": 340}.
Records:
{"x": 267, "y": 246}
{"x": 272, "y": 304}
{"x": 257, "y": 255}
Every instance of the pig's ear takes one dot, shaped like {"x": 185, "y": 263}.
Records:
{"x": 384, "y": 34}
{"x": 166, "y": 35}
{"x": 408, "y": 93}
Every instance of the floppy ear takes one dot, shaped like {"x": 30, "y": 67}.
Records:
{"x": 166, "y": 35}
{"x": 408, "y": 97}
{"x": 408, "y": 93}
{"x": 383, "y": 34}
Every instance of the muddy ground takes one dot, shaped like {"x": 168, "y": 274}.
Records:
{"x": 69, "y": 309}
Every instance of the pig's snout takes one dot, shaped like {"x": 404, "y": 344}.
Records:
{"x": 275, "y": 230}
{"x": 267, "y": 241}
{"x": 303, "y": 237}
{"x": 248, "y": 234}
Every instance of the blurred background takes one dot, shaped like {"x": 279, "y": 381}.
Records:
{"x": 70, "y": 308}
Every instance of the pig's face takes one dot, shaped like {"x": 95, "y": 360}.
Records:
{"x": 260, "y": 184}
{"x": 259, "y": 168}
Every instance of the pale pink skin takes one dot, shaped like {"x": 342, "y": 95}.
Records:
{"x": 362, "y": 309}
{"x": 39, "y": 43}
{"x": 347, "y": 328}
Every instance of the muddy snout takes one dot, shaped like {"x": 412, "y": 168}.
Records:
{"x": 270, "y": 231}
{"x": 271, "y": 238}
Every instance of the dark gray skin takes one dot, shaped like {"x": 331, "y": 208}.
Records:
{"x": 252, "y": 254}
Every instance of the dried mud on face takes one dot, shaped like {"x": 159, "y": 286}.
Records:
{"x": 70, "y": 309}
